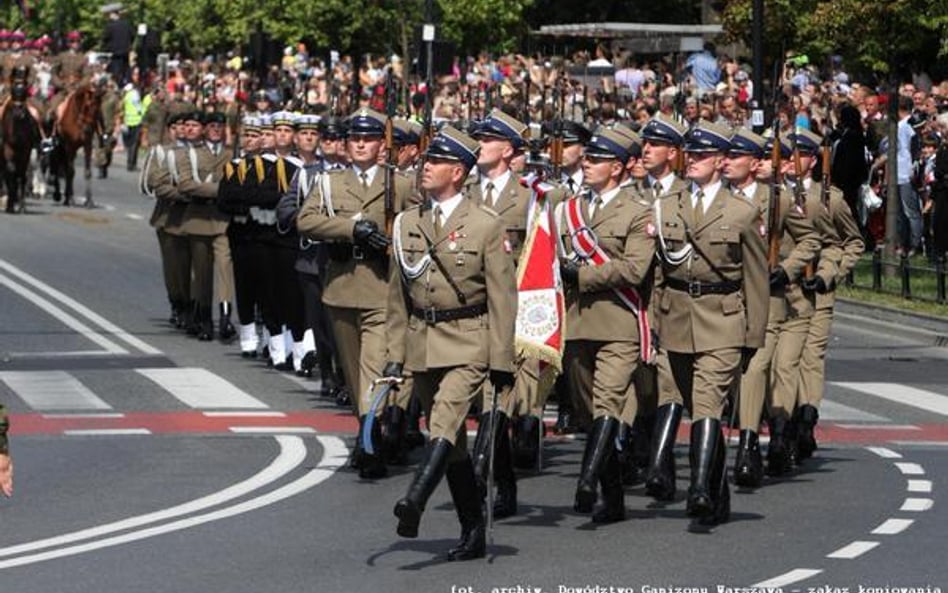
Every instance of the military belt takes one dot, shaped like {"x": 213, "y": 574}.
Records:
{"x": 202, "y": 201}
{"x": 695, "y": 288}
{"x": 347, "y": 251}
{"x": 432, "y": 315}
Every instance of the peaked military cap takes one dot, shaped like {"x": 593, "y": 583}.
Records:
{"x": 807, "y": 141}
{"x": 332, "y": 127}
{"x": 283, "y": 118}
{"x": 498, "y": 124}
{"x": 307, "y": 121}
{"x": 664, "y": 130}
{"x": 632, "y": 135}
{"x": 406, "y": 131}
{"x": 707, "y": 137}
{"x": 575, "y": 132}
{"x": 215, "y": 117}
{"x": 452, "y": 144}
{"x": 367, "y": 122}
{"x": 610, "y": 144}
{"x": 195, "y": 115}
{"x": 744, "y": 141}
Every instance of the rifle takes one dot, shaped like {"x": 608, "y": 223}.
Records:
{"x": 526, "y": 99}
{"x": 774, "y": 232}
{"x": 390, "y": 105}
{"x": 237, "y": 123}
{"x": 799, "y": 198}
{"x": 826, "y": 151}
{"x": 556, "y": 147}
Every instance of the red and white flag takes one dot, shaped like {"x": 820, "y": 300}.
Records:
{"x": 541, "y": 307}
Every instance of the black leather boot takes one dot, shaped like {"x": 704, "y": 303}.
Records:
{"x": 225, "y": 329}
{"x": 720, "y": 493}
{"x": 526, "y": 442}
{"x": 373, "y": 466}
{"x": 600, "y": 444}
{"x": 613, "y": 494}
{"x": 193, "y": 327}
{"x": 660, "y": 480}
{"x": 327, "y": 376}
{"x": 748, "y": 467}
{"x": 355, "y": 460}
{"x": 778, "y": 453}
{"x": 467, "y": 504}
{"x": 413, "y": 435}
{"x": 183, "y": 311}
{"x": 505, "y": 503}
{"x": 807, "y": 417}
{"x": 705, "y": 438}
{"x": 206, "y": 324}
{"x": 409, "y": 509}
{"x": 175, "y": 312}
{"x": 641, "y": 439}
{"x": 629, "y": 474}
{"x": 393, "y": 435}
{"x": 481, "y": 451}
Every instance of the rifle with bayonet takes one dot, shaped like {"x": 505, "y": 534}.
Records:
{"x": 774, "y": 229}
{"x": 391, "y": 100}
{"x": 556, "y": 146}
{"x": 238, "y": 124}
{"x": 799, "y": 193}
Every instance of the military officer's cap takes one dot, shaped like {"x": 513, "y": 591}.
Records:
{"x": 451, "y": 144}
{"x": 744, "y": 141}
{"x": 498, "y": 124}
{"x": 807, "y": 141}
{"x": 215, "y": 117}
{"x": 575, "y": 132}
{"x": 283, "y": 118}
{"x": 332, "y": 127}
{"x": 307, "y": 121}
{"x": 632, "y": 135}
{"x": 174, "y": 118}
{"x": 786, "y": 149}
{"x": 664, "y": 130}
{"x": 609, "y": 144}
{"x": 266, "y": 121}
{"x": 195, "y": 115}
{"x": 73, "y": 36}
{"x": 707, "y": 137}
{"x": 406, "y": 131}
{"x": 367, "y": 122}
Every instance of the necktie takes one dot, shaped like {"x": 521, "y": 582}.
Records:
{"x": 364, "y": 177}
{"x": 657, "y": 189}
{"x": 572, "y": 185}
{"x": 436, "y": 212}
{"x": 489, "y": 194}
{"x": 699, "y": 208}
{"x": 596, "y": 202}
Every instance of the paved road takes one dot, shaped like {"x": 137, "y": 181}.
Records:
{"x": 148, "y": 461}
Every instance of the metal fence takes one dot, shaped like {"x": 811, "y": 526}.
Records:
{"x": 908, "y": 278}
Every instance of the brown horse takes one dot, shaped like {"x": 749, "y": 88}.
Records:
{"x": 20, "y": 136}
{"x": 77, "y": 123}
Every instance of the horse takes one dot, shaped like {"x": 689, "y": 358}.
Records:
{"x": 21, "y": 135}
{"x": 78, "y": 120}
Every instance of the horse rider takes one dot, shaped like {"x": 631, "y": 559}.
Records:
{"x": 19, "y": 93}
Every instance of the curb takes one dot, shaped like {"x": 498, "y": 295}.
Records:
{"x": 897, "y": 321}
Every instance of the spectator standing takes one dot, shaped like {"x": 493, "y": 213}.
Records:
{"x": 704, "y": 67}
{"x": 117, "y": 39}
{"x": 133, "y": 112}
{"x": 910, "y": 213}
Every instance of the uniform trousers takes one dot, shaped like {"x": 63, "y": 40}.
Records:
{"x": 202, "y": 268}
{"x": 249, "y": 288}
{"x": 699, "y": 381}
{"x": 446, "y": 395}
{"x": 179, "y": 251}
{"x": 168, "y": 270}
{"x": 755, "y": 383}
{"x": 601, "y": 373}
{"x": 223, "y": 270}
{"x": 643, "y": 397}
{"x": 787, "y": 367}
{"x": 360, "y": 340}
{"x": 314, "y": 313}
{"x": 519, "y": 398}
{"x": 813, "y": 361}
{"x": 289, "y": 299}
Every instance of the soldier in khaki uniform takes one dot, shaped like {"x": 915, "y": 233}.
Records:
{"x": 109, "y": 108}
{"x": 798, "y": 245}
{"x": 203, "y": 222}
{"x": 710, "y": 315}
{"x": 348, "y": 213}
{"x": 609, "y": 260}
{"x": 501, "y": 139}
{"x": 802, "y": 342}
{"x": 451, "y": 310}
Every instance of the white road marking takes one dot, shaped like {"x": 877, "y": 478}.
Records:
{"x": 878, "y": 426}
{"x": 916, "y": 505}
{"x": 261, "y": 414}
{"x": 61, "y": 354}
{"x": 333, "y": 458}
{"x": 893, "y": 526}
{"x": 920, "y": 443}
{"x": 201, "y": 389}
{"x": 911, "y": 469}
{"x": 79, "y": 308}
{"x": 853, "y": 550}
{"x": 920, "y": 486}
{"x": 885, "y": 453}
{"x": 105, "y": 432}
{"x": 273, "y": 429}
{"x": 80, "y": 415}
{"x": 65, "y": 318}
{"x": 794, "y": 576}
{"x": 902, "y": 394}
{"x": 52, "y": 390}
{"x": 291, "y": 455}
{"x": 135, "y": 216}
{"x": 831, "y": 411}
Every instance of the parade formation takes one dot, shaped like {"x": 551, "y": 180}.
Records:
{"x": 431, "y": 270}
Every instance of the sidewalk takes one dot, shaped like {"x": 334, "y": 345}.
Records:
{"x": 896, "y": 321}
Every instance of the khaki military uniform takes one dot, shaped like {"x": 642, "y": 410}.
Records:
{"x": 602, "y": 333}
{"x": 799, "y": 245}
{"x": 106, "y": 144}
{"x": 356, "y": 278}
{"x": 712, "y": 302}
{"x": 449, "y": 359}
{"x": 163, "y": 179}
{"x": 69, "y": 68}
{"x": 154, "y": 174}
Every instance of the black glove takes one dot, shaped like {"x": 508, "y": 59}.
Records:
{"x": 501, "y": 379}
{"x": 393, "y": 369}
{"x": 569, "y": 272}
{"x": 746, "y": 355}
{"x": 367, "y": 234}
{"x": 779, "y": 278}
{"x": 815, "y": 284}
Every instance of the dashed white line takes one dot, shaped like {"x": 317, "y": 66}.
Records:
{"x": 261, "y": 414}
{"x": 853, "y": 550}
{"x": 788, "y": 578}
{"x": 919, "y": 486}
{"x": 105, "y": 432}
{"x": 910, "y": 469}
{"x": 878, "y": 426}
{"x": 87, "y": 415}
{"x": 134, "y": 216}
{"x": 199, "y": 388}
{"x": 885, "y": 453}
{"x": 916, "y": 505}
{"x": 273, "y": 429}
{"x": 893, "y": 526}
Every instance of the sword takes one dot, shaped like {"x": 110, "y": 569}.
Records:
{"x": 381, "y": 393}
{"x": 491, "y": 441}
